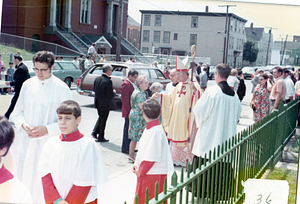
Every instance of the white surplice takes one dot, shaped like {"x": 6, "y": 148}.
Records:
{"x": 154, "y": 147}
{"x": 36, "y": 106}
{"x": 216, "y": 116}
{"x": 13, "y": 191}
{"x": 78, "y": 162}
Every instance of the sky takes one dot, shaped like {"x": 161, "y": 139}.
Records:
{"x": 283, "y": 16}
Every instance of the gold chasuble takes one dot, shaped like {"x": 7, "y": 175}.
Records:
{"x": 176, "y": 118}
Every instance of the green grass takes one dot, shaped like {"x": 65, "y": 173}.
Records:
{"x": 5, "y": 51}
{"x": 288, "y": 175}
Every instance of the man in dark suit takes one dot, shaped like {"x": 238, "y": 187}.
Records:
{"x": 20, "y": 75}
{"x": 104, "y": 101}
{"x": 127, "y": 88}
{"x": 199, "y": 68}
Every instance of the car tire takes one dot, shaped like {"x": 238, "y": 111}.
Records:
{"x": 68, "y": 81}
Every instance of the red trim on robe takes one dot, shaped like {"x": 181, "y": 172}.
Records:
{"x": 71, "y": 137}
{"x": 152, "y": 123}
{"x": 145, "y": 166}
{"x": 78, "y": 194}
{"x": 148, "y": 181}
{"x": 5, "y": 175}
{"x": 177, "y": 140}
{"x": 50, "y": 192}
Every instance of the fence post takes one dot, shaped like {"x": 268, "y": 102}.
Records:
{"x": 173, "y": 184}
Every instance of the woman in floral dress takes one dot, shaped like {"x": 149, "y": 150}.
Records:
{"x": 260, "y": 99}
{"x": 137, "y": 122}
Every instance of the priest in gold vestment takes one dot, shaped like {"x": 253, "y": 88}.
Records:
{"x": 178, "y": 119}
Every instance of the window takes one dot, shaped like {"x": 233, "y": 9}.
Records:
{"x": 193, "y": 39}
{"x": 194, "y": 22}
{"x": 156, "y": 51}
{"x": 147, "y": 20}
{"x": 145, "y": 50}
{"x": 67, "y": 65}
{"x": 143, "y": 72}
{"x": 85, "y": 11}
{"x": 56, "y": 67}
{"x": 157, "y": 20}
{"x": 231, "y": 24}
{"x": 235, "y": 26}
{"x": 175, "y": 36}
{"x": 156, "y": 37}
{"x": 166, "y": 37}
{"x": 146, "y": 36}
{"x": 130, "y": 34}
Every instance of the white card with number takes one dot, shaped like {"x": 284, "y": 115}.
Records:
{"x": 262, "y": 191}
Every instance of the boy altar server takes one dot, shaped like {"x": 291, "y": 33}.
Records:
{"x": 71, "y": 165}
{"x": 153, "y": 160}
{"x": 11, "y": 189}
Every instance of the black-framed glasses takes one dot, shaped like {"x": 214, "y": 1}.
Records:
{"x": 41, "y": 70}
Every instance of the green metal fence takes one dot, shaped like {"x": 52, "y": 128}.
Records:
{"x": 246, "y": 155}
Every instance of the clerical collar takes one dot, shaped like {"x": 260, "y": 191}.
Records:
{"x": 175, "y": 84}
{"x": 71, "y": 137}
{"x": 152, "y": 123}
{"x": 226, "y": 88}
{"x": 5, "y": 175}
{"x": 106, "y": 75}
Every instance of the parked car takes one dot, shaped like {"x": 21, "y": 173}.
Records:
{"x": 85, "y": 83}
{"x": 248, "y": 72}
{"x": 65, "y": 70}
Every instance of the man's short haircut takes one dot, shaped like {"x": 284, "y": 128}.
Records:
{"x": 285, "y": 70}
{"x": 151, "y": 108}
{"x": 223, "y": 70}
{"x": 255, "y": 69}
{"x": 75, "y": 58}
{"x": 205, "y": 69}
{"x": 132, "y": 72}
{"x": 10, "y": 62}
{"x": 18, "y": 57}
{"x": 81, "y": 55}
{"x": 93, "y": 44}
{"x": 233, "y": 72}
{"x": 279, "y": 69}
{"x": 44, "y": 57}
{"x": 7, "y": 134}
{"x": 106, "y": 67}
{"x": 69, "y": 107}
{"x": 240, "y": 72}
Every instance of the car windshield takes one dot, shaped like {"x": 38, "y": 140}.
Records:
{"x": 117, "y": 71}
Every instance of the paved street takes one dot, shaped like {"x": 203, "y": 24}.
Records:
{"x": 121, "y": 185}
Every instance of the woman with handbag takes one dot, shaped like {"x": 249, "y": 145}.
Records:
{"x": 260, "y": 99}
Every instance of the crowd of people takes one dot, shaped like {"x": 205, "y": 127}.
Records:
{"x": 57, "y": 164}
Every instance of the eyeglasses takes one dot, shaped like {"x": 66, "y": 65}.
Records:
{"x": 41, "y": 70}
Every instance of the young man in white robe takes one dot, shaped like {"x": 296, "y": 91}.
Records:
{"x": 11, "y": 189}
{"x": 216, "y": 113}
{"x": 71, "y": 165}
{"x": 153, "y": 161}
{"x": 35, "y": 119}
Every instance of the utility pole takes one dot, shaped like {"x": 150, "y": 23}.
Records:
{"x": 226, "y": 35}
{"x": 283, "y": 50}
{"x": 119, "y": 31}
{"x": 270, "y": 34}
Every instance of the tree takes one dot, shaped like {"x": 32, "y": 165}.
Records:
{"x": 250, "y": 51}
